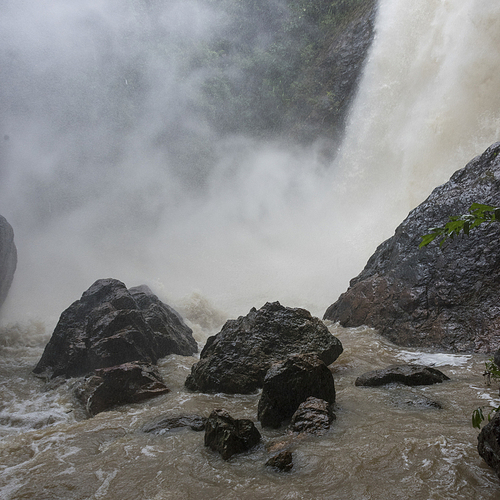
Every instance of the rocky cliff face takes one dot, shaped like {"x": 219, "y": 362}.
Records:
{"x": 328, "y": 84}
{"x": 8, "y": 258}
{"x": 445, "y": 298}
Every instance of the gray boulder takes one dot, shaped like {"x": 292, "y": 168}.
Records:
{"x": 488, "y": 443}
{"x": 118, "y": 385}
{"x": 8, "y": 258}
{"x": 111, "y": 325}
{"x": 445, "y": 298}
{"x": 236, "y": 360}
{"x": 230, "y": 436}
{"x": 402, "y": 374}
{"x": 289, "y": 383}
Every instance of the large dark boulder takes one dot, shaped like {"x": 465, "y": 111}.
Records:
{"x": 229, "y": 436}
{"x": 237, "y": 358}
{"x": 111, "y": 325}
{"x": 119, "y": 385}
{"x": 411, "y": 375}
{"x": 488, "y": 443}
{"x": 446, "y": 298}
{"x": 289, "y": 383}
{"x": 8, "y": 258}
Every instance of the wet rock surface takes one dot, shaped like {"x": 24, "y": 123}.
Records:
{"x": 237, "y": 359}
{"x": 229, "y": 436}
{"x": 313, "y": 416}
{"x": 289, "y": 383}
{"x": 496, "y": 358}
{"x": 488, "y": 443}
{"x": 129, "y": 383}
{"x": 111, "y": 325}
{"x": 282, "y": 461}
{"x": 165, "y": 424}
{"x": 411, "y": 375}
{"x": 446, "y": 298}
{"x": 8, "y": 258}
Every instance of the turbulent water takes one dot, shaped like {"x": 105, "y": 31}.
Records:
{"x": 384, "y": 443}
{"x": 89, "y": 198}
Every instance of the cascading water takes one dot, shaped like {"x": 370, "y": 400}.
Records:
{"x": 92, "y": 196}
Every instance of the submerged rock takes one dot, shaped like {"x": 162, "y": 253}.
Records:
{"x": 237, "y": 359}
{"x": 446, "y": 298}
{"x": 488, "y": 443}
{"x": 8, "y": 258}
{"x": 229, "y": 436}
{"x": 289, "y": 383}
{"x": 402, "y": 374}
{"x": 111, "y": 325}
{"x": 410, "y": 400}
{"x": 118, "y": 385}
{"x": 282, "y": 461}
{"x": 166, "y": 424}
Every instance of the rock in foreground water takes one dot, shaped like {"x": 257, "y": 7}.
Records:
{"x": 237, "y": 358}
{"x": 313, "y": 416}
{"x": 119, "y": 385}
{"x": 229, "y": 436}
{"x": 402, "y": 374}
{"x": 289, "y": 383}
{"x": 446, "y": 298}
{"x": 488, "y": 443}
{"x": 111, "y": 325}
{"x": 8, "y": 258}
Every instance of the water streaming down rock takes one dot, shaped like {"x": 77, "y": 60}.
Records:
{"x": 432, "y": 60}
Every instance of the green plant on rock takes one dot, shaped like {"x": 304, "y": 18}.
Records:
{"x": 478, "y": 214}
{"x": 492, "y": 371}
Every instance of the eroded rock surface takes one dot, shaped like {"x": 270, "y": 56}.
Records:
{"x": 446, "y": 298}
{"x": 236, "y": 360}
{"x": 289, "y": 383}
{"x": 111, "y": 325}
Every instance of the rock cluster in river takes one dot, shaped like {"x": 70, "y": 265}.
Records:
{"x": 446, "y": 298}
{"x": 289, "y": 383}
{"x": 8, "y": 258}
{"x": 111, "y": 325}
{"x": 237, "y": 359}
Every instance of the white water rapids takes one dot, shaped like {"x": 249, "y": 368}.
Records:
{"x": 269, "y": 224}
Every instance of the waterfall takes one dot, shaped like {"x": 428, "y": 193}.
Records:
{"x": 91, "y": 196}
{"x": 428, "y": 102}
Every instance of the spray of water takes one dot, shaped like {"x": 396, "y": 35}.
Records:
{"x": 99, "y": 179}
